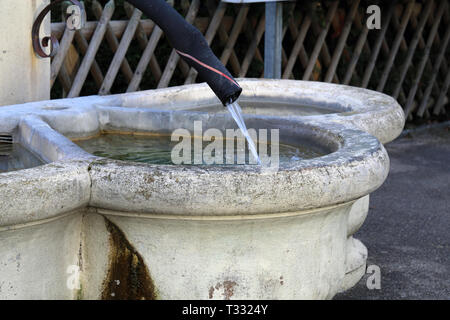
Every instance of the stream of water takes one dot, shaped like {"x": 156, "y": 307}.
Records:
{"x": 236, "y": 113}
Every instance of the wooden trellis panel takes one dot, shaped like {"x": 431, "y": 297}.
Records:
{"x": 323, "y": 41}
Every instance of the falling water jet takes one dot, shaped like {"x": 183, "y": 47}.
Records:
{"x": 236, "y": 113}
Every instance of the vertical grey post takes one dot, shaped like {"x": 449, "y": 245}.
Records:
{"x": 273, "y": 36}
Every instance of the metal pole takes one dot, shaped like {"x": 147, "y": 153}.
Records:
{"x": 273, "y": 37}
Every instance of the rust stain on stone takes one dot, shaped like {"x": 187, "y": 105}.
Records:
{"x": 128, "y": 277}
{"x": 228, "y": 289}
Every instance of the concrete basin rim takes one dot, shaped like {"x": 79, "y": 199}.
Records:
{"x": 240, "y": 217}
{"x": 351, "y": 144}
{"x": 373, "y": 150}
{"x": 38, "y": 222}
{"x": 364, "y": 145}
{"x": 106, "y": 212}
{"x": 370, "y": 111}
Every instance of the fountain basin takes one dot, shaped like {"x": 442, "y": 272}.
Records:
{"x": 191, "y": 232}
{"x": 14, "y": 157}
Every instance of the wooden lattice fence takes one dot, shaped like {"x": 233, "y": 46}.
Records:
{"x": 119, "y": 50}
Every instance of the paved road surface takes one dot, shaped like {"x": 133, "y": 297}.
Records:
{"x": 407, "y": 231}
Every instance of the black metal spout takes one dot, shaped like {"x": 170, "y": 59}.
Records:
{"x": 189, "y": 42}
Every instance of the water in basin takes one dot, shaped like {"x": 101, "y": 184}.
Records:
{"x": 157, "y": 149}
{"x": 280, "y": 109}
{"x": 15, "y": 157}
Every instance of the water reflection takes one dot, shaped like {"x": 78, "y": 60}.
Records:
{"x": 157, "y": 149}
{"x": 15, "y": 157}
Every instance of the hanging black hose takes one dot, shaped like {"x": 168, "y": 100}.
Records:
{"x": 192, "y": 47}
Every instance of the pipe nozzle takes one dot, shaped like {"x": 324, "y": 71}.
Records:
{"x": 192, "y": 47}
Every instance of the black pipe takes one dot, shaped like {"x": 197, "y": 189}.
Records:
{"x": 192, "y": 47}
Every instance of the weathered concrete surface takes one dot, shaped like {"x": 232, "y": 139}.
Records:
{"x": 38, "y": 260}
{"x": 407, "y": 229}
{"x": 24, "y": 76}
{"x": 280, "y": 256}
{"x": 95, "y": 255}
{"x": 43, "y": 192}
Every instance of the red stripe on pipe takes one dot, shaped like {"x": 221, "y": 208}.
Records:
{"x": 208, "y": 67}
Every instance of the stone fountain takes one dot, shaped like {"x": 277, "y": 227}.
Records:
{"x": 82, "y": 226}
{"x": 74, "y": 225}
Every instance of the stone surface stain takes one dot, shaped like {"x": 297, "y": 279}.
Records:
{"x": 228, "y": 289}
{"x": 128, "y": 277}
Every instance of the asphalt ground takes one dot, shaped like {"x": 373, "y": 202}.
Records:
{"x": 407, "y": 231}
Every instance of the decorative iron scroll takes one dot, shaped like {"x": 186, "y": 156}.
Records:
{"x": 38, "y": 43}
